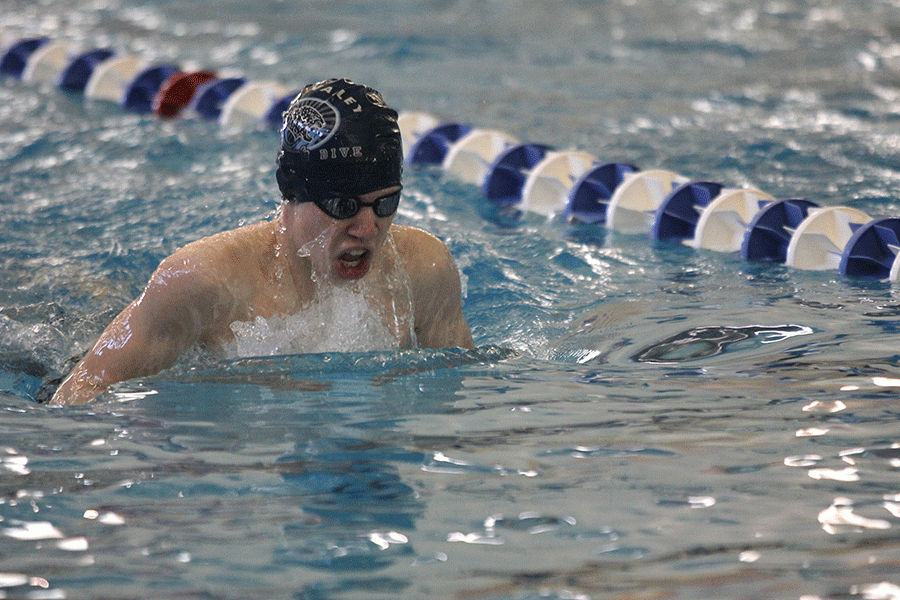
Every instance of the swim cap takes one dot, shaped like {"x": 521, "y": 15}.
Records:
{"x": 338, "y": 137}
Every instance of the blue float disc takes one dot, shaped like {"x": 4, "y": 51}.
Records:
{"x": 676, "y": 218}
{"x": 74, "y": 77}
{"x": 769, "y": 233}
{"x": 211, "y": 96}
{"x": 872, "y": 249}
{"x": 16, "y": 57}
{"x": 413, "y": 125}
{"x": 432, "y": 146}
{"x": 590, "y": 195}
{"x": 140, "y": 93}
{"x": 507, "y": 175}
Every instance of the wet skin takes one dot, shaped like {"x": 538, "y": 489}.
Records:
{"x": 274, "y": 268}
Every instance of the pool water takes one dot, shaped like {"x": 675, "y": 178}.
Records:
{"x": 640, "y": 419}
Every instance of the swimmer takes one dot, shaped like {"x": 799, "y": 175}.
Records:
{"x": 339, "y": 173}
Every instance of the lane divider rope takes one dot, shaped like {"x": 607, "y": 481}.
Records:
{"x": 529, "y": 177}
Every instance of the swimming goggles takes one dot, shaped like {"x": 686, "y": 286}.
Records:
{"x": 345, "y": 207}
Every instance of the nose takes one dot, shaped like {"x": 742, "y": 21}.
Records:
{"x": 364, "y": 224}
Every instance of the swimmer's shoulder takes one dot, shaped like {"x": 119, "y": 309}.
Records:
{"x": 424, "y": 254}
{"x": 415, "y": 242}
{"x": 436, "y": 290}
{"x": 220, "y": 254}
{"x": 224, "y": 262}
{"x": 217, "y": 274}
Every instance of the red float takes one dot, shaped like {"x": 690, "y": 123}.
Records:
{"x": 177, "y": 92}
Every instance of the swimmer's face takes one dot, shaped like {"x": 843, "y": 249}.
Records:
{"x": 341, "y": 249}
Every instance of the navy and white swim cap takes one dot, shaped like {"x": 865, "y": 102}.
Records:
{"x": 338, "y": 137}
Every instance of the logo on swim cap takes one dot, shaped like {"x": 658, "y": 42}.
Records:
{"x": 309, "y": 123}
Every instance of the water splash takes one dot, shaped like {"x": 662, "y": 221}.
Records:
{"x": 375, "y": 313}
{"x": 339, "y": 321}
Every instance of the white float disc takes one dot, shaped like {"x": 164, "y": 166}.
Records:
{"x": 821, "y": 237}
{"x": 633, "y": 205}
{"x": 472, "y": 155}
{"x": 46, "y": 64}
{"x": 546, "y": 189}
{"x": 110, "y": 78}
{"x": 248, "y": 105}
{"x": 723, "y": 223}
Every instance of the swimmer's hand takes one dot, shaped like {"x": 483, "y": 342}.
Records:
{"x": 76, "y": 390}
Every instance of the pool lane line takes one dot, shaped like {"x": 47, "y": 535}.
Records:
{"x": 528, "y": 177}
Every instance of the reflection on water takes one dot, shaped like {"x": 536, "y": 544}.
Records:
{"x": 362, "y": 503}
{"x": 703, "y": 342}
{"x": 493, "y": 477}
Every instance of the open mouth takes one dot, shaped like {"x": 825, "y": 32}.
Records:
{"x": 353, "y": 264}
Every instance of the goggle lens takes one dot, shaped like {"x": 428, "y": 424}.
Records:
{"x": 345, "y": 207}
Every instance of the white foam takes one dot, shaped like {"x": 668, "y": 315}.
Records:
{"x": 375, "y": 313}
{"x": 342, "y": 321}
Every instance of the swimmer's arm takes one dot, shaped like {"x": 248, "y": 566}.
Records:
{"x": 147, "y": 337}
{"x": 131, "y": 346}
{"x": 440, "y": 322}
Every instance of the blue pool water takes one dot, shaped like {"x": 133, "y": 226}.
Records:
{"x": 640, "y": 419}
